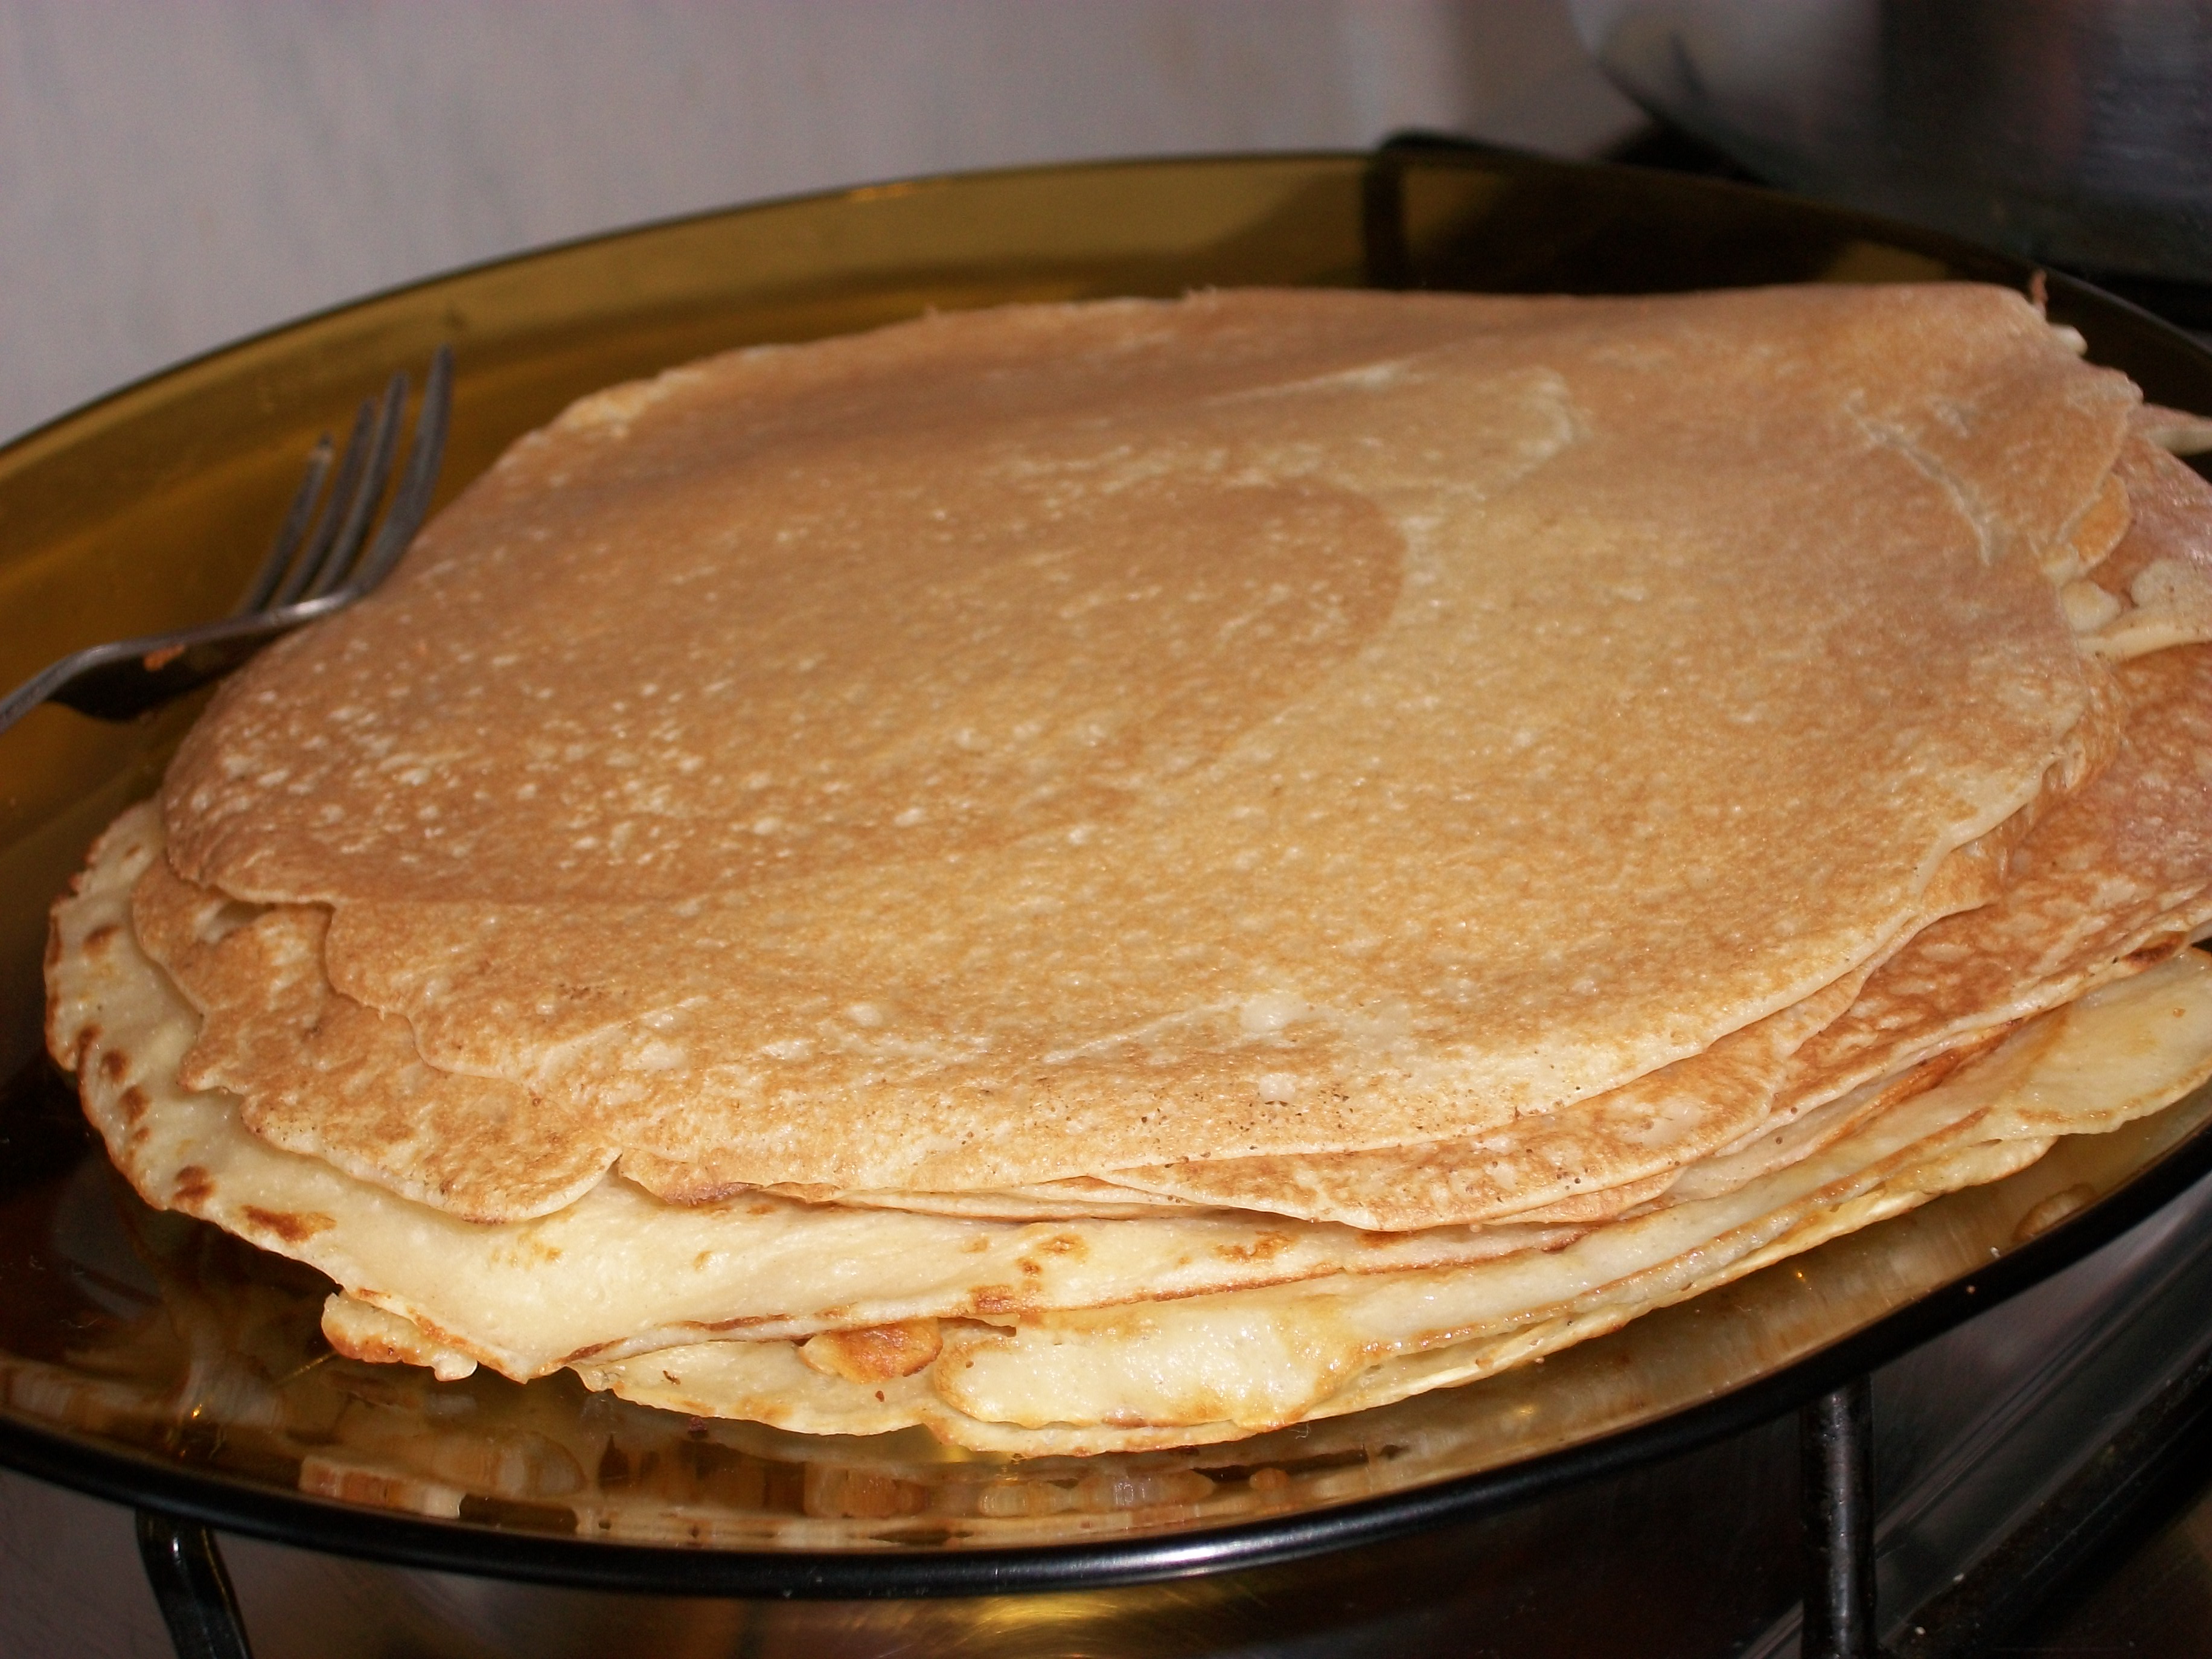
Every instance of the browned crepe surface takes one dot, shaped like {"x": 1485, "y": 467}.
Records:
{"x": 2113, "y": 877}
{"x": 618, "y": 1272}
{"x": 2124, "y": 867}
{"x": 1015, "y": 745}
{"x": 302, "y": 1058}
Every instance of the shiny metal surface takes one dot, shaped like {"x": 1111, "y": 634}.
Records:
{"x": 145, "y": 1355}
{"x": 2156, "y": 1601}
{"x": 2078, "y": 131}
{"x": 1836, "y": 1470}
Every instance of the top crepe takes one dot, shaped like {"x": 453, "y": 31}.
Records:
{"x": 1034, "y": 743}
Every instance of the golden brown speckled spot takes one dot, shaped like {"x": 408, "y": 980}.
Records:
{"x": 101, "y": 937}
{"x": 874, "y": 1353}
{"x": 132, "y": 1104}
{"x": 997, "y": 1299}
{"x": 292, "y": 1228}
{"x": 740, "y": 1322}
{"x": 1064, "y": 1244}
{"x": 113, "y": 1064}
{"x": 2149, "y": 956}
{"x": 193, "y": 1185}
{"x": 1262, "y": 1248}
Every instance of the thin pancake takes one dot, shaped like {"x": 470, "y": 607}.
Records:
{"x": 617, "y": 1270}
{"x": 2120, "y": 1051}
{"x": 298, "y": 1055}
{"x": 2123, "y": 865}
{"x": 2156, "y": 591}
{"x": 1321, "y": 721}
{"x": 1216, "y": 1367}
{"x": 1078, "y": 1197}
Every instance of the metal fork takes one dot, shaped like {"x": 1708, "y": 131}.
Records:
{"x": 321, "y": 562}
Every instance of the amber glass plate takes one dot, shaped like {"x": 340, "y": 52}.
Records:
{"x": 151, "y": 1359}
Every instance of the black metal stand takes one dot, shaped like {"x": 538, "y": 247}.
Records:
{"x": 1836, "y": 1451}
{"x": 184, "y": 1567}
{"x": 1835, "y": 1444}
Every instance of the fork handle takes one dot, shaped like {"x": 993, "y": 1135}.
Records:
{"x": 123, "y": 680}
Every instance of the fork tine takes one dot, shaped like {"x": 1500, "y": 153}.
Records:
{"x": 343, "y": 489}
{"x": 292, "y": 531}
{"x": 318, "y": 551}
{"x": 353, "y": 530}
{"x": 418, "y": 478}
{"x": 353, "y": 536}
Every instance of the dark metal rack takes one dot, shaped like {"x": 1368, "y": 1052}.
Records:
{"x": 1835, "y": 1436}
{"x": 1839, "y": 1615}
{"x": 184, "y": 1564}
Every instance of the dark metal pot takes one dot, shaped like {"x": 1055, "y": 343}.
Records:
{"x": 2075, "y": 131}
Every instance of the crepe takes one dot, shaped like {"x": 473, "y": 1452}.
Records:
{"x": 618, "y": 1269}
{"x": 1321, "y": 721}
{"x": 2123, "y": 865}
{"x": 1094, "y": 877}
{"x": 1216, "y": 1367}
{"x": 528, "y": 1297}
{"x": 1213, "y": 1293}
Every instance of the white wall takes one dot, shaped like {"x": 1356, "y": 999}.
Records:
{"x": 174, "y": 173}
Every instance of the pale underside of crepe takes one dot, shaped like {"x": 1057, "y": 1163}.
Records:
{"x": 1072, "y": 1198}
{"x": 1010, "y": 1374}
{"x": 1320, "y": 724}
{"x": 2174, "y": 430}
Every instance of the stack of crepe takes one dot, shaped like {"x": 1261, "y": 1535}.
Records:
{"x": 1109, "y": 876}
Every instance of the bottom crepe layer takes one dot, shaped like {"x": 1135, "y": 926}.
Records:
{"x": 1106, "y": 1335}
